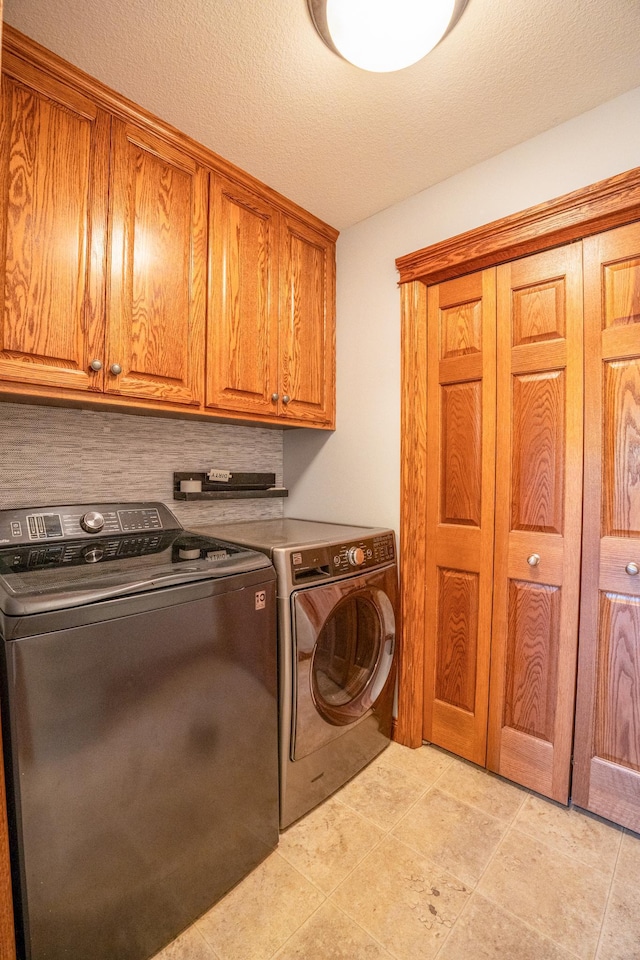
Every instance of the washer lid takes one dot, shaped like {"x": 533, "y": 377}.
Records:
{"x": 35, "y": 578}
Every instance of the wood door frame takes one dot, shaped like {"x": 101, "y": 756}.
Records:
{"x": 601, "y": 206}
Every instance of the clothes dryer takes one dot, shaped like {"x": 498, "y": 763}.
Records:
{"x": 337, "y": 614}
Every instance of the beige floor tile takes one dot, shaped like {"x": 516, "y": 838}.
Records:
{"x": 261, "y": 913}
{"x": 620, "y": 939}
{"x": 190, "y": 945}
{"x": 487, "y": 932}
{"x": 553, "y": 893}
{"x": 628, "y": 867}
{"x": 408, "y": 903}
{"x": 482, "y": 789}
{"x": 572, "y": 832}
{"x": 330, "y": 935}
{"x": 383, "y": 793}
{"x": 427, "y": 763}
{"x": 328, "y": 843}
{"x": 454, "y": 834}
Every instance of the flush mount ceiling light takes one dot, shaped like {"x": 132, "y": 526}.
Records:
{"x": 384, "y": 35}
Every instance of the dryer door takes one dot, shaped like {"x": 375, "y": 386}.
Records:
{"x": 344, "y": 639}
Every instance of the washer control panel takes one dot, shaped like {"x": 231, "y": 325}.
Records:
{"x": 77, "y": 522}
{"x": 312, "y": 564}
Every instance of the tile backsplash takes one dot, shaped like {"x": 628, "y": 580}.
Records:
{"x": 52, "y": 455}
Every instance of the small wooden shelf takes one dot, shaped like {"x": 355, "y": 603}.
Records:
{"x": 232, "y": 494}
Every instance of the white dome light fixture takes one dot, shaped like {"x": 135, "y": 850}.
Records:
{"x": 384, "y": 35}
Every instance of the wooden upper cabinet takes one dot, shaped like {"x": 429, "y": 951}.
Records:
{"x": 242, "y": 328}
{"x": 112, "y": 255}
{"x": 307, "y": 324}
{"x": 538, "y": 519}
{"x": 54, "y": 157}
{"x": 156, "y": 306}
{"x": 460, "y": 511}
{"x": 270, "y": 339}
{"x": 607, "y": 742}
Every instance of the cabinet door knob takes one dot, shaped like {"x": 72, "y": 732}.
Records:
{"x": 632, "y": 569}
{"x": 533, "y": 560}
{"x": 275, "y": 397}
{"x": 286, "y": 398}
{"x": 96, "y": 365}
{"x": 115, "y": 369}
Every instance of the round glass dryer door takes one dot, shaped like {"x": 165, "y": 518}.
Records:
{"x": 343, "y": 640}
{"x": 346, "y": 658}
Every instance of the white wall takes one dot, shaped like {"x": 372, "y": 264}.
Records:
{"x": 353, "y": 475}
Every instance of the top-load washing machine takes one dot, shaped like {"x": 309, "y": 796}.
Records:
{"x": 337, "y": 612}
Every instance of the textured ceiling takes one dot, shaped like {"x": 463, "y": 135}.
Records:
{"x": 252, "y": 80}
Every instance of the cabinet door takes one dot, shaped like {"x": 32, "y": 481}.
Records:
{"x": 157, "y": 297}
{"x": 607, "y": 744}
{"x": 242, "y": 324}
{"x": 460, "y": 511}
{"x": 54, "y": 159}
{"x": 538, "y": 519}
{"x": 307, "y": 324}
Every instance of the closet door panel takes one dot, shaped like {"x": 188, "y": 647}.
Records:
{"x": 531, "y": 659}
{"x": 461, "y": 461}
{"x": 538, "y": 406}
{"x": 457, "y": 638}
{"x": 607, "y": 746}
{"x": 538, "y": 513}
{"x": 460, "y": 504}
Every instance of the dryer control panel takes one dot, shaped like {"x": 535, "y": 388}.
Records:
{"x": 313, "y": 564}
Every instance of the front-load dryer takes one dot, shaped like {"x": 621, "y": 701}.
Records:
{"x": 337, "y": 615}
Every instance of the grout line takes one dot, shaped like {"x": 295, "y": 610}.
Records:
{"x": 364, "y": 929}
{"x": 297, "y": 930}
{"x": 527, "y": 924}
{"x": 514, "y": 827}
{"x": 360, "y": 858}
{"x": 563, "y": 853}
{"x": 607, "y": 902}
{"x": 214, "y": 954}
{"x": 508, "y": 821}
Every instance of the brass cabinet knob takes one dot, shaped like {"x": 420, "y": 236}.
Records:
{"x": 275, "y": 397}
{"x": 286, "y": 398}
{"x": 632, "y": 569}
{"x": 533, "y": 560}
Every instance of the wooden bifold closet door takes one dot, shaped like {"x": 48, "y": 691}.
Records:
{"x": 538, "y": 519}
{"x": 461, "y": 352}
{"x": 504, "y": 471}
{"x": 607, "y": 741}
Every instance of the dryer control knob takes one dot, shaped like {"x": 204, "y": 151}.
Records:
{"x": 92, "y": 522}
{"x": 93, "y": 555}
{"x": 356, "y": 556}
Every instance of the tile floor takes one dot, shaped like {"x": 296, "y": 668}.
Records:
{"x": 424, "y": 855}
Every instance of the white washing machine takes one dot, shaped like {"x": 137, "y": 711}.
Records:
{"x": 337, "y": 613}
